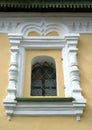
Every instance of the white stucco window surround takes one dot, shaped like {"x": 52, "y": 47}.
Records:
{"x": 73, "y": 103}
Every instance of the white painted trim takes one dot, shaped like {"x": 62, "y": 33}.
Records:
{"x": 21, "y": 72}
{"x": 67, "y": 81}
{"x": 49, "y": 109}
{"x": 55, "y": 14}
{"x": 43, "y": 43}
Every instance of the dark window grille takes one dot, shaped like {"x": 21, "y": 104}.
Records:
{"x": 43, "y": 79}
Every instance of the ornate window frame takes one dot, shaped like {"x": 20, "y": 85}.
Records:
{"x": 73, "y": 104}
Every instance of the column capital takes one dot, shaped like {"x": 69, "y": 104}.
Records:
{"x": 72, "y": 36}
{"x": 72, "y": 39}
{"x": 15, "y": 38}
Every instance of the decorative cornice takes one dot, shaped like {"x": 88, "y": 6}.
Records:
{"x": 44, "y": 25}
{"x": 46, "y": 5}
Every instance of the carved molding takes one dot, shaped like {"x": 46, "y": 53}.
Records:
{"x": 45, "y": 24}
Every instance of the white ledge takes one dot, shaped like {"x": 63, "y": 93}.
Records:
{"x": 45, "y": 108}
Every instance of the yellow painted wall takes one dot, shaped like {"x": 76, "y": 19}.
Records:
{"x": 49, "y": 123}
{"x": 33, "y": 33}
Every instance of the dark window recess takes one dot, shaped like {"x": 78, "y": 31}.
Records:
{"x": 43, "y": 79}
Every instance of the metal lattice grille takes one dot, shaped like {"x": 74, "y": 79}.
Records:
{"x": 43, "y": 81}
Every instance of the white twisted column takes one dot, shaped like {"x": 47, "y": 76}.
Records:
{"x": 13, "y": 72}
{"x": 72, "y": 42}
{"x": 74, "y": 74}
{"x": 80, "y": 101}
{"x": 9, "y": 101}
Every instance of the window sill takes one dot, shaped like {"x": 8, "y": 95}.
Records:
{"x": 44, "y": 107}
{"x": 62, "y": 99}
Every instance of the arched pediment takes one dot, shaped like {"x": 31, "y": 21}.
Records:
{"x": 44, "y": 29}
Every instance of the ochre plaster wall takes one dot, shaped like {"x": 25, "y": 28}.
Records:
{"x": 49, "y": 123}
{"x": 33, "y": 33}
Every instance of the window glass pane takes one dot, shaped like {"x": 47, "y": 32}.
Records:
{"x": 43, "y": 81}
{"x": 36, "y": 83}
{"x": 37, "y": 73}
{"x": 50, "y": 92}
{"x": 50, "y": 83}
{"x": 36, "y": 92}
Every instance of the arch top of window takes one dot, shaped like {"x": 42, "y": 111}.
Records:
{"x": 43, "y": 59}
{"x": 43, "y": 78}
{"x": 43, "y": 64}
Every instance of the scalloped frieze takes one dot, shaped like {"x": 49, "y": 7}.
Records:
{"x": 43, "y": 25}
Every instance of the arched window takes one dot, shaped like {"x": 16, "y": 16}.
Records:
{"x": 43, "y": 79}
